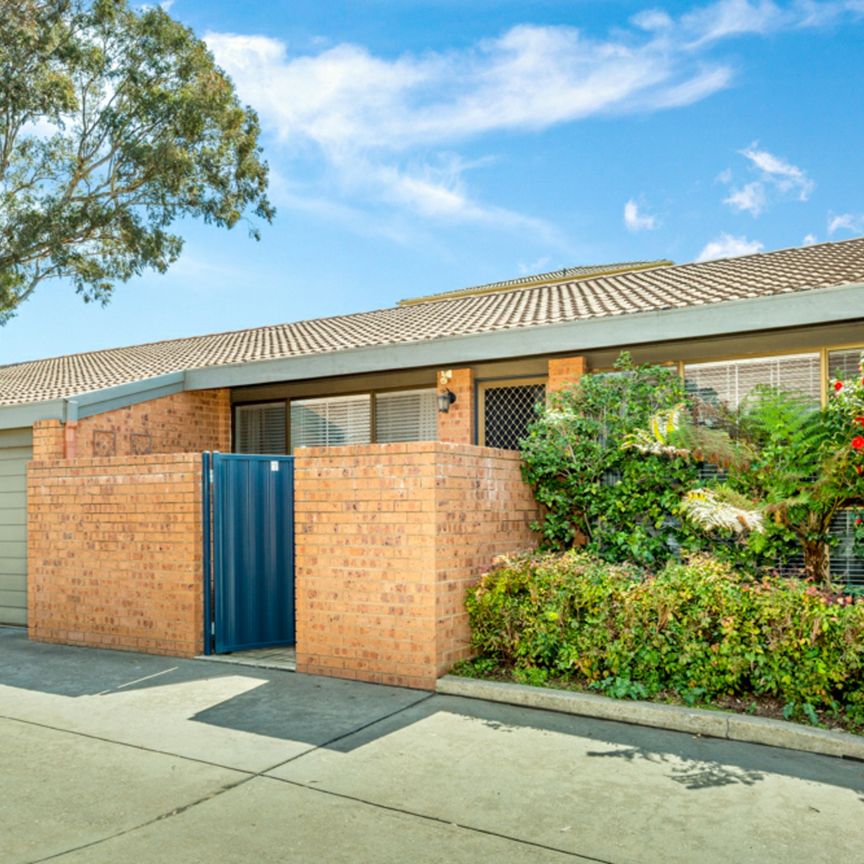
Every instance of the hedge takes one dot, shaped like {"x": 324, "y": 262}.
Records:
{"x": 698, "y": 629}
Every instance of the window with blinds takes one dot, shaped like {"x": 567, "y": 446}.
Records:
{"x": 729, "y": 383}
{"x": 260, "y": 428}
{"x": 844, "y": 364}
{"x": 409, "y": 415}
{"x": 331, "y": 422}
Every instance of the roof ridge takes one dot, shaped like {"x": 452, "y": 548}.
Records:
{"x": 551, "y": 277}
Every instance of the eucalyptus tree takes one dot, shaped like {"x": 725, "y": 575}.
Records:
{"x": 115, "y": 123}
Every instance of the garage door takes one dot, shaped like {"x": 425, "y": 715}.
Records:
{"x": 15, "y": 451}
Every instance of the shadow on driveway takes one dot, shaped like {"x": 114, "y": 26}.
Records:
{"x": 344, "y": 715}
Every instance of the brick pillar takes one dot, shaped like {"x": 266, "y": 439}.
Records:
{"x": 48, "y": 440}
{"x": 564, "y": 372}
{"x": 457, "y": 425}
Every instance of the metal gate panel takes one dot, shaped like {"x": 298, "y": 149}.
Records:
{"x": 250, "y": 596}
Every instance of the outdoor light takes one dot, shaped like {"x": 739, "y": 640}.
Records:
{"x": 445, "y": 400}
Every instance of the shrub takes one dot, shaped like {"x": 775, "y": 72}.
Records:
{"x": 698, "y": 629}
{"x": 621, "y": 504}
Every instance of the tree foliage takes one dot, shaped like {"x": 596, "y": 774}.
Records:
{"x": 790, "y": 468}
{"x": 114, "y": 124}
{"x": 617, "y": 464}
{"x": 808, "y": 465}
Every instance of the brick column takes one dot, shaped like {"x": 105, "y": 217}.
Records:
{"x": 564, "y": 372}
{"x": 388, "y": 539}
{"x": 48, "y": 440}
{"x": 457, "y": 425}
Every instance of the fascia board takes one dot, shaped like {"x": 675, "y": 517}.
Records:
{"x": 91, "y": 403}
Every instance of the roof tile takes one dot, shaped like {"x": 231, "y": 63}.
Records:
{"x": 453, "y": 314}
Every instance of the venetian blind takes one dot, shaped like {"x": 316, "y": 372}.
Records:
{"x": 409, "y": 415}
{"x": 844, "y": 364}
{"x": 260, "y": 428}
{"x": 330, "y": 422}
{"x": 731, "y": 382}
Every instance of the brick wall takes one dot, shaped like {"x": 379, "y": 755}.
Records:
{"x": 388, "y": 537}
{"x": 457, "y": 425}
{"x": 185, "y": 422}
{"x": 114, "y": 551}
{"x": 483, "y": 509}
{"x": 564, "y": 371}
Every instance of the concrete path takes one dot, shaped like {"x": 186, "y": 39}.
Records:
{"x": 111, "y": 757}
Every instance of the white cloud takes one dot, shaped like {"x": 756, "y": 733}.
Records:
{"x": 733, "y": 18}
{"x": 370, "y": 120}
{"x": 787, "y": 177}
{"x": 852, "y": 222}
{"x": 529, "y": 78}
{"x": 636, "y": 221}
{"x": 365, "y": 115}
{"x": 749, "y": 198}
{"x": 541, "y": 265}
{"x": 777, "y": 179}
{"x": 652, "y": 19}
{"x": 809, "y": 240}
{"x": 728, "y": 246}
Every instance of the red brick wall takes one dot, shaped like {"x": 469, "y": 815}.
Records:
{"x": 48, "y": 437}
{"x": 185, "y": 422}
{"x": 457, "y": 425}
{"x": 114, "y": 551}
{"x": 388, "y": 536}
{"x": 483, "y": 509}
{"x": 564, "y": 371}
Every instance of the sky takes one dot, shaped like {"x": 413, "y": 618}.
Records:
{"x": 419, "y": 146}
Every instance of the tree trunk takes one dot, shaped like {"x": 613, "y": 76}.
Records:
{"x": 816, "y": 561}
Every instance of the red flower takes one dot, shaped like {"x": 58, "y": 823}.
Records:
{"x": 838, "y": 386}
{"x": 858, "y": 442}
{"x": 859, "y": 421}
{"x": 859, "y": 469}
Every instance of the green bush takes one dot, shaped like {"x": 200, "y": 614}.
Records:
{"x": 621, "y": 504}
{"x": 698, "y": 629}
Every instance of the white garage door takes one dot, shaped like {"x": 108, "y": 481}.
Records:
{"x": 15, "y": 451}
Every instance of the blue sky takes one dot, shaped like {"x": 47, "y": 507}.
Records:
{"x": 423, "y": 146}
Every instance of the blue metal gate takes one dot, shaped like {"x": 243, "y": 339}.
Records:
{"x": 248, "y": 551}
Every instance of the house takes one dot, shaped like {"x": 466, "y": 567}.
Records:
{"x": 403, "y": 422}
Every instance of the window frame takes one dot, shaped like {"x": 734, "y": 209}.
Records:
{"x": 260, "y": 403}
{"x": 480, "y": 388}
{"x": 371, "y": 393}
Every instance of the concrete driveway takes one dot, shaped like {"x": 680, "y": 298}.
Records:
{"x": 112, "y": 757}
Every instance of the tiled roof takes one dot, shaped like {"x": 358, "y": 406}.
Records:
{"x": 567, "y": 274}
{"x": 752, "y": 276}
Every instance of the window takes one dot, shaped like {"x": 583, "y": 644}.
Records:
{"x": 844, "y": 364}
{"x": 409, "y": 415}
{"x": 846, "y": 566}
{"x": 260, "y": 428}
{"x": 731, "y": 382}
{"x": 331, "y": 422}
{"x": 507, "y": 409}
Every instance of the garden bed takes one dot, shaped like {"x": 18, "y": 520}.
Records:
{"x": 699, "y": 634}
